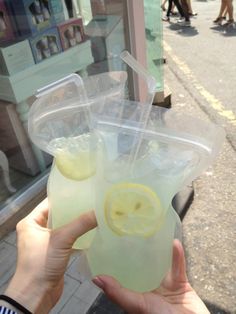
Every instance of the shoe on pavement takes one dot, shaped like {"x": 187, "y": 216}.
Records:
{"x": 229, "y": 23}
{"x": 192, "y": 14}
{"x": 182, "y": 22}
{"x": 166, "y": 19}
{"x": 218, "y": 21}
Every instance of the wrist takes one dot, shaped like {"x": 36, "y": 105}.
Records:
{"x": 26, "y": 292}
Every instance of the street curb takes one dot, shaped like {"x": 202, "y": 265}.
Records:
{"x": 163, "y": 99}
{"x": 183, "y": 200}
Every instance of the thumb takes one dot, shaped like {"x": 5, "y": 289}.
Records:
{"x": 178, "y": 271}
{"x": 176, "y": 278}
{"x": 130, "y": 301}
{"x": 71, "y": 231}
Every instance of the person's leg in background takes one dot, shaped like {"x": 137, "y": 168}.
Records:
{"x": 230, "y": 11}
{"x": 183, "y": 10}
{"x": 224, "y": 15}
{"x": 167, "y": 17}
{"x": 223, "y": 7}
{"x": 190, "y": 10}
{"x": 163, "y": 5}
{"x": 173, "y": 12}
{"x": 184, "y": 4}
{"x": 179, "y": 7}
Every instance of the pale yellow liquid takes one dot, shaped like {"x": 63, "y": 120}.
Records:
{"x": 71, "y": 181}
{"x": 137, "y": 262}
{"x": 68, "y": 199}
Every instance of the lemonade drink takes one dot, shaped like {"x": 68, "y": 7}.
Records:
{"x": 137, "y": 181}
{"x": 136, "y": 223}
{"x": 71, "y": 182}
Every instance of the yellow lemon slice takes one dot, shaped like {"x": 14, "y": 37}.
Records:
{"x": 75, "y": 157}
{"x": 78, "y": 166}
{"x": 133, "y": 209}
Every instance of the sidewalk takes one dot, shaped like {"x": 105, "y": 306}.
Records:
{"x": 209, "y": 224}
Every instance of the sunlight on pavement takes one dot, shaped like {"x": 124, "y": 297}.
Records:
{"x": 211, "y": 99}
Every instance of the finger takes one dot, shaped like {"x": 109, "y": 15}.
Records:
{"x": 40, "y": 214}
{"x": 71, "y": 231}
{"x": 130, "y": 301}
{"x": 176, "y": 278}
{"x": 178, "y": 271}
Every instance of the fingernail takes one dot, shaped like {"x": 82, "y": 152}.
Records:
{"x": 98, "y": 282}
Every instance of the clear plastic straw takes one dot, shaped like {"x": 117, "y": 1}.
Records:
{"x": 151, "y": 85}
{"x": 142, "y": 72}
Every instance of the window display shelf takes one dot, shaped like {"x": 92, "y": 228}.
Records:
{"x": 18, "y": 87}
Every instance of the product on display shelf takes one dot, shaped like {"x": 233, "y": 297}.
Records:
{"x": 15, "y": 57}
{"x": 30, "y": 16}
{"x": 71, "y": 33}
{"x": 98, "y": 7}
{"x": 45, "y": 45}
{"x": 105, "y": 31}
{"x": 14, "y": 141}
{"x": 6, "y": 30}
{"x": 103, "y": 7}
{"x": 58, "y": 10}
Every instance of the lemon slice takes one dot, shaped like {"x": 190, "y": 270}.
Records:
{"x": 78, "y": 166}
{"x": 75, "y": 157}
{"x": 133, "y": 209}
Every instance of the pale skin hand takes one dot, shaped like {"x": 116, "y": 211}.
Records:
{"x": 175, "y": 295}
{"x": 43, "y": 255}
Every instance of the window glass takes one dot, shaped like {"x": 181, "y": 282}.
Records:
{"x": 153, "y": 26}
{"x": 42, "y": 41}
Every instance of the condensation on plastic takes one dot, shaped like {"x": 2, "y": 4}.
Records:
{"x": 181, "y": 141}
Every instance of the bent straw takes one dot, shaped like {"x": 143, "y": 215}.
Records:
{"x": 151, "y": 84}
{"x": 141, "y": 71}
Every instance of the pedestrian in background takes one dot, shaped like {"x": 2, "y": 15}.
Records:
{"x": 190, "y": 10}
{"x": 226, "y": 6}
{"x": 163, "y": 7}
{"x": 183, "y": 11}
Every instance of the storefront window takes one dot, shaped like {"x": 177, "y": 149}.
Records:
{"x": 42, "y": 41}
{"x": 153, "y": 26}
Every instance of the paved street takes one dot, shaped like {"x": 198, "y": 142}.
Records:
{"x": 201, "y": 73}
{"x": 205, "y": 56}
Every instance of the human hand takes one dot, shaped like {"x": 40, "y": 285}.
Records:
{"x": 43, "y": 255}
{"x": 175, "y": 295}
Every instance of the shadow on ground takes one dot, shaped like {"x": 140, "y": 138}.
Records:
{"x": 215, "y": 309}
{"x": 225, "y": 31}
{"x": 103, "y": 305}
{"x": 183, "y": 30}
